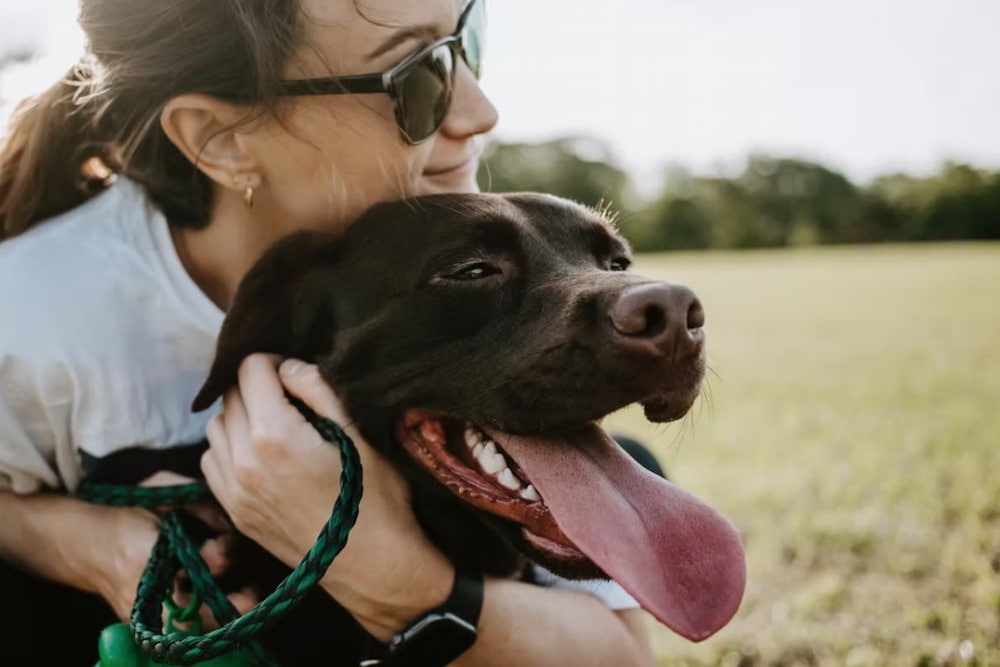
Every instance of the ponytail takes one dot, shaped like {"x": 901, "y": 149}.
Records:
{"x": 63, "y": 146}
{"x": 52, "y": 157}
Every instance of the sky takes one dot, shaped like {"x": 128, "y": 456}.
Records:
{"x": 866, "y": 86}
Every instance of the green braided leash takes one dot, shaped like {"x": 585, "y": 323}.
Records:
{"x": 174, "y": 551}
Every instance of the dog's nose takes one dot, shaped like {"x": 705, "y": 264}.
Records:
{"x": 670, "y": 317}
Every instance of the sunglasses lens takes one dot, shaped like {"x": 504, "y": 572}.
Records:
{"x": 472, "y": 36}
{"x": 424, "y": 94}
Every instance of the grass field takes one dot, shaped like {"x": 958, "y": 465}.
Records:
{"x": 851, "y": 432}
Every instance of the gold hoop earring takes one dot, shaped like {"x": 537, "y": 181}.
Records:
{"x": 248, "y": 196}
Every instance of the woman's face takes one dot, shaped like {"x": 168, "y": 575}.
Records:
{"x": 329, "y": 157}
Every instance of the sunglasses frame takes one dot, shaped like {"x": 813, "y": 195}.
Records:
{"x": 386, "y": 82}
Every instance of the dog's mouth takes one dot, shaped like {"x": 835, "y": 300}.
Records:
{"x": 585, "y": 506}
{"x": 474, "y": 467}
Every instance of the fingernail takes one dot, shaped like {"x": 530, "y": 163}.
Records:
{"x": 291, "y": 367}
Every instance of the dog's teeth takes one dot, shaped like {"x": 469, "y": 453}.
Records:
{"x": 492, "y": 464}
{"x": 507, "y": 480}
{"x": 487, "y": 461}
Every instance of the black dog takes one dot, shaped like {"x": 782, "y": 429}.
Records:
{"x": 477, "y": 340}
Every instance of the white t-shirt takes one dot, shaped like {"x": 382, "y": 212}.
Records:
{"x": 104, "y": 342}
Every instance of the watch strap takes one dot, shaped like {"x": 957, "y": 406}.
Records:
{"x": 450, "y": 627}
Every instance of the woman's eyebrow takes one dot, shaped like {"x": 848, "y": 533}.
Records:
{"x": 426, "y": 32}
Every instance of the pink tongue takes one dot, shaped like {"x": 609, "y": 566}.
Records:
{"x": 677, "y": 556}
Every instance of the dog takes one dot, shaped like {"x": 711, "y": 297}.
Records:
{"x": 477, "y": 340}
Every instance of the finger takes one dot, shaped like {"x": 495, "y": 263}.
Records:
{"x": 239, "y": 432}
{"x": 244, "y": 600}
{"x": 262, "y": 394}
{"x": 219, "y": 444}
{"x": 215, "y": 476}
{"x": 304, "y": 381}
{"x": 217, "y": 461}
{"x": 166, "y": 478}
{"x": 211, "y": 515}
{"x": 208, "y": 622}
{"x": 307, "y": 383}
{"x": 182, "y": 599}
{"x": 213, "y": 552}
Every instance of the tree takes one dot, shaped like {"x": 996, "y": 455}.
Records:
{"x": 677, "y": 224}
{"x": 578, "y": 168}
{"x": 800, "y": 199}
{"x": 961, "y": 202}
{"x": 773, "y": 202}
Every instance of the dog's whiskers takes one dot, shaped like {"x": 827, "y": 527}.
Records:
{"x": 711, "y": 370}
{"x": 707, "y": 395}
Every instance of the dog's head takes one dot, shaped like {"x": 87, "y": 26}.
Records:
{"x": 477, "y": 340}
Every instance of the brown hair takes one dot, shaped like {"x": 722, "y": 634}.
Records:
{"x": 103, "y": 117}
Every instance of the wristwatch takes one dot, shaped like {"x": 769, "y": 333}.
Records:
{"x": 443, "y": 633}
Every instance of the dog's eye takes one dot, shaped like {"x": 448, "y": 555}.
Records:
{"x": 476, "y": 271}
{"x": 619, "y": 264}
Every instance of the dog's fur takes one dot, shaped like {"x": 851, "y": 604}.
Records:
{"x": 512, "y": 312}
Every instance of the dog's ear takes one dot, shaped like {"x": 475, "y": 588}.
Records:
{"x": 283, "y": 306}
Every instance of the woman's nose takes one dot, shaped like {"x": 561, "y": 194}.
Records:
{"x": 471, "y": 112}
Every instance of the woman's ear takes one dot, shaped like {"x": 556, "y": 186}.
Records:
{"x": 207, "y": 131}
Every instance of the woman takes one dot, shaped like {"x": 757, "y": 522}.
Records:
{"x": 120, "y": 294}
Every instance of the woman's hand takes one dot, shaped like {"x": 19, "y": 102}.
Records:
{"x": 132, "y": 532}
{"x": 94, "y": 548}
{"x": 126, "y": 539}
{"x": 213, "y": 552}
{"x": 278, "y": 480}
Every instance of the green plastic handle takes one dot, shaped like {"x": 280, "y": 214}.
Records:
{"x": 116, "y": 648}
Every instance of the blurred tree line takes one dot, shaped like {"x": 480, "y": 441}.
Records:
{"x": 773, "y": 202}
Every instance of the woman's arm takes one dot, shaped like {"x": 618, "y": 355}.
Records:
{"x": 527, "y": 625}
{"x": 272, "y": 472}
{"x": 93, "y": 548}
{"x": 96, "y": 548}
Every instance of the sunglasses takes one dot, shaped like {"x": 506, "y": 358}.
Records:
{"x": 422, "y": 85}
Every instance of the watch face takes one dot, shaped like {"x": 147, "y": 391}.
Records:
{"x": 434, "y": 641}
